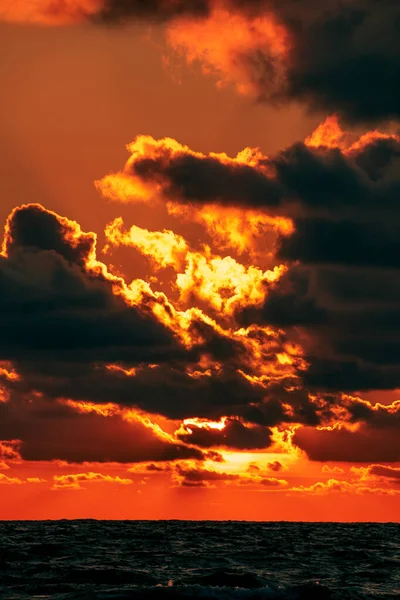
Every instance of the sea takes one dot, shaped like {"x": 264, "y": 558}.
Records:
{"x": 74, "y": 560}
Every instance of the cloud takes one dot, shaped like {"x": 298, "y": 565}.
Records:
{"x": 265, "y": 348}
{"x": 332, "y": 470}
{"x": 365, "y": 36}
{"x": 58, "y": 299}
{"x": 5, "y": 480}
{"x": 182, "y": 174}
{"x": 374, "y": 479}
{"x": 75, "y": 331}
{"x": 47, "y": 430}
{"x": 160, "y": 390}
{"x": 324, "y": 55}
{"x": 75, "y": 480}
{"x": 275, "y": 466}
{"x": 191, "y": 476}
{"x": 155, "y": 468}
{"x": 304, "y": 181}
{"x": 102, "y": 340}
{"x": 338, "y": 297}
{"x": 378, "y": 472}
{"x": 366, "y": 444}
{"x": 234, "y": 434}
{"x": 388, "y": 472}
{"x": 341, "y": 250}
{"x": 221, "y": 285}
{"x": 247, "y": 357}
{"x": 10, "y": 480}
{"x": 342, "y": 487}
{"x": 198, "y": 477}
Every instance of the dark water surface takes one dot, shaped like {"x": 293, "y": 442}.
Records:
{"x": 178, "y": 559}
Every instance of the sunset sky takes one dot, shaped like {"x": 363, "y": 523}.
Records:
{"x": 200, "y": 266}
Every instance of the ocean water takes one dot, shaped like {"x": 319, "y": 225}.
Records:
{"x": 218, "y": 560}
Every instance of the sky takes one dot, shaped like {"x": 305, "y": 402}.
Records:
{"x": 199, "y": 270}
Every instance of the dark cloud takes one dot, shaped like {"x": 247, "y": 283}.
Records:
{"x": 343, "y": 56}
{"x": 322, "y": 180}
{"x": 347, "y": 243}
{"x": 48, "y": 430}
{"x": 347, "y": 320}
{"x": 288, "y": 402}
{"x": 205, "y": 179}
{"x": 165, "y": 390}
{"x": 339, "y": 298}
{"x": 35, "y": 229}
{"x": 63, "y": 322}
{"x": 388, "y": 472}
{"x": 275, "y": 466}
{"x": 378, "y": 156}
{"x": 157, "y": 468}
{"x": 54, "y": 308}
{"x": 235, "y": 434}
{"x": 375, "y": 439}
{"x": 360, "y": 186}
{"x": 367, "y": 444}
{"x": 188, "y": 476}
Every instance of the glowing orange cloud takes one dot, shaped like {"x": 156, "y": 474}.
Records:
{"x": 203, "y": 423}
{"x": 343, "y": 487}
{"x": 191, "y": 475}
{"x": 245, "y": 231}
{"x": 220, "y": 39}
{"x": 5, "y": 480}
{"x": 242, "y": 229}
{"x": 7, "y": 372}
{"x": 377, "y": 473}
{"x": 330, "y": 134}
{"x": 74, "y": 481}
{"x": 125, "y": 186}
{"x": 227, "y": 41}
{"x": 222, "y": 283}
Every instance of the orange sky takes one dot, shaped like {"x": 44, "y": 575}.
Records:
{"x": 209, "y": 412}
